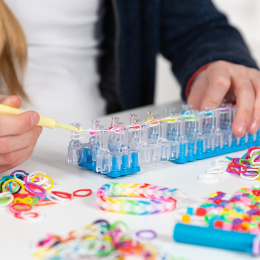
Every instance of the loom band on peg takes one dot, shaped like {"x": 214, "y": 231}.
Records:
{"x": 13, "y": 180}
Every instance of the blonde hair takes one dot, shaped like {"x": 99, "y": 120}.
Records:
{"x": 13, "y": 51}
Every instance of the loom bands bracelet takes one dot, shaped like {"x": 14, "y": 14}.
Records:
{"x": 160, "y": 193}
{"x": 14, "y": 208}
{"x": 149, "y": 192}
{"x": 61, "y": 194}
{"x": 101, "y": 195}
{"x": 46, "y": 176}
{"x": 14, "y": 180}
{"x": 146, "y": 235}
{"x": 129, "y": 190}
{"x": 89, "y": 192}
{"x": 170, "y": 205}
{"x": 31, "y": 187}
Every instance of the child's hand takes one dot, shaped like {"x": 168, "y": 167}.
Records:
{"x": 222, "y": 79}
{"x": 18, "y": 134}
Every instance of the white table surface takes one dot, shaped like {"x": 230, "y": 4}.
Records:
{"x": 18, "y": 237}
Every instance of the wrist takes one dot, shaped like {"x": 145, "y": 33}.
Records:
{"x": 193, "y": 78}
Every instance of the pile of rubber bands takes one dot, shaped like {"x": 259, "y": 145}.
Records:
{"x": 238, "y": 212}
{"x": 161, "y": 199}
{"x": 21, "y": 192}
{"x": 247, "y": 167}
{"x": 102, "y": 240}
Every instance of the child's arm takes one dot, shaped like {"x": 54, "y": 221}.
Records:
{"x": 18, "y": 134}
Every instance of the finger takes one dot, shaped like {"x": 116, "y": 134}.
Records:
{"x": 255, "y": 121}
{"x": 219, "y": 82}
{"x": 13, "y": 101}
{"x": 245, "y": 96}
{"x": 23, "y": 155}
{"x": 197, "y": 92}
{"x": 11, "y": 158}
{"x": 13, "y": 143}
{"x": 17, "y": 124}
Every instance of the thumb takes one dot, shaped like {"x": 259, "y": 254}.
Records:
{"x": 13, "y": 101}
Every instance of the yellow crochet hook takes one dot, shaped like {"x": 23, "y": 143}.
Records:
{"x": 44, "y": 121}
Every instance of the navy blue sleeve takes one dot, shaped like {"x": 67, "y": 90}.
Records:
{"x": 194, "y": 33}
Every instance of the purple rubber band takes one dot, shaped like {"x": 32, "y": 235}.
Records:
{"x": 27, "y": 184}
{"x": 152, "y": 236}
{"x": 18, "y": 171}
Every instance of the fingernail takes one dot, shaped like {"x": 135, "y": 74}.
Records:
{"x": 254, "y": 126}
{"x": 241, "y": 128}
{"x": 34, "y": 119}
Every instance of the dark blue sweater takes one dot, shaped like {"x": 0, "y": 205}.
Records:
{"x": 190, "y": 33}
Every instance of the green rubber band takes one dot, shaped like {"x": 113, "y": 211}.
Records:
{"x": 253, "y": 156}
{"x": 119, "y": 222}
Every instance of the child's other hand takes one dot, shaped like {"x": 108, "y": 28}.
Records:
{"x": 224, "y": 79}
{"x": 18, "y": 134}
